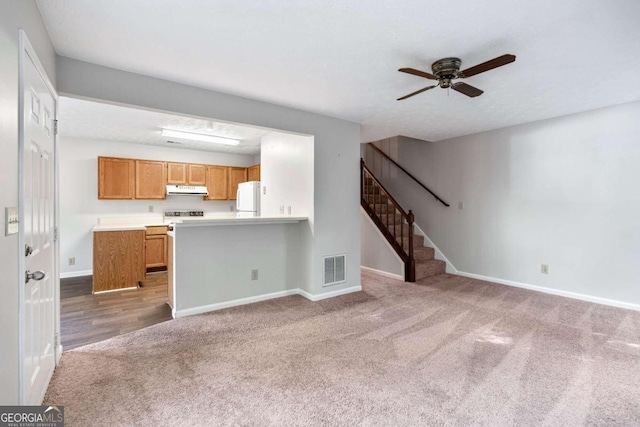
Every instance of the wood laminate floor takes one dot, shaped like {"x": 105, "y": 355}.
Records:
{"x": 86, "y": 318}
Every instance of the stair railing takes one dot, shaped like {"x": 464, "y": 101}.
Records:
{"x": 383, "y": 154}
{"x": 388, "y": 216}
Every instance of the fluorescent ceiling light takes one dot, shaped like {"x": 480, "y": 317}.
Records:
{"x": 199, "y": 137}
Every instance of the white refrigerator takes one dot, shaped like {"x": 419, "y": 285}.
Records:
{"x": 248, "y": 199}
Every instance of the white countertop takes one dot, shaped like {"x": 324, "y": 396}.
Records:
{"x": 213, "y": 221}
{"x": 140, "y": 223}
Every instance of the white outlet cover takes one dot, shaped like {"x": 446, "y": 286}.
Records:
{"x": 11, "y": 221}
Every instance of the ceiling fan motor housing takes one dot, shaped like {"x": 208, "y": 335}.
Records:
{"x": 446, "y": 69}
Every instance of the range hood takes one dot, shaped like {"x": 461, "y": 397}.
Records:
{"x": 187, "y": 190}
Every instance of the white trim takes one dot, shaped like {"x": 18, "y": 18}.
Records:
{"x": 76, "y": 274}
{"x": 59, "y": 354}
{"x": 250, "y": 300}
{"x": 233, "y": 303}
{"x": 551, "y": 291}
{"x": 382, "y": 273}
{"x": 451, "y": 269}
{"x": 115, "y": 290}
{"x": 331, "y": 294}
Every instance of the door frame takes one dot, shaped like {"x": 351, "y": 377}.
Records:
{"x": 25, "y": 48}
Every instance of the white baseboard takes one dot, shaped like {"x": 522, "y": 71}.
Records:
{"x": 76, "y": 274}
{"x": 551, "y": 291}
{"x": 326, "y": 295}
{"x": 382, "y": 273}
{"x": 450, "y": 268}
{"x": 243, "y": 301}
{"x": 234, "y": 303}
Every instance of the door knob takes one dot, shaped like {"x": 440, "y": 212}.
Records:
{"x": 36, "y": 275}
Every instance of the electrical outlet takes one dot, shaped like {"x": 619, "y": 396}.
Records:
{"x": 281, "y": 209}
{"x": 460, "y": 205}
{"x": 254, "y": 274}
{"x": 150, "y": 208}
{"x": 544, "y": 269}
{"x": 288, "y": 210}
{"x": 72, "y": 261}
{"x": 231, "y": 208}
{"x": 264, "y": 190}
{"x": 11, "y": 221}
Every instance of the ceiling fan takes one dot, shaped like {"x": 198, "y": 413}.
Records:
{"x": 448, "y": 69}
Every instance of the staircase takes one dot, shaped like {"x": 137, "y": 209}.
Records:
{"x": 396, "y": 225}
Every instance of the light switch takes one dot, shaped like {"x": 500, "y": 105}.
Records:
{"x": 12, "y": 223}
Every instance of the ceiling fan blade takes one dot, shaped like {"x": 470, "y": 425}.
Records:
{"x": 489, "y": 65}
{"x": 418, "y": 73}
{"x": 466, "y": 89}
{"x": 417, "y": 92}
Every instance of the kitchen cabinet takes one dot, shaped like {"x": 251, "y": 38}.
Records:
{"x": 170, "y": 271}
{"x": 116, "y": 178}
{"x": 151, "y": 179}
{"x": 118, "y": 259}
{"x": 197, "y": 175}
{"x": 177, "y": 173}
{"x": 253, "y": 173}
{"x": 217, "y": 178}
{"x": 236, "y": 176}
{"x": 186, "y": 174}
{"x": 156, "y": 247}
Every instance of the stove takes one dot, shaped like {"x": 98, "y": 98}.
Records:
{"x": 183, "y": 214}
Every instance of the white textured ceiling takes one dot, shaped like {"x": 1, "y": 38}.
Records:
{"x": 340, "y": 58}
{"x": 92, "y": 120}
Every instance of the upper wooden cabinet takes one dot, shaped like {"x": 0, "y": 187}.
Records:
{"x": 186, "y": 174}
{"x": 236, "y": 176}
{"x": 253, "y": 173}
{"x": 124, "y": 179}
{"x": 197, "y": 175}
{"x": 217, "y": 178}
{"x": 177, "y": 173}
{"x": 116, "y": 178}
{"x": 151, "y": 179}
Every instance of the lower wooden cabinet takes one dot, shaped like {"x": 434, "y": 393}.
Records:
{"x": 118, "y": 259}
{"x": 156, "y": 251}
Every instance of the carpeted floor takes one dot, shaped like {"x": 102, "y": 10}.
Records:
{"x": 446, "y": 351}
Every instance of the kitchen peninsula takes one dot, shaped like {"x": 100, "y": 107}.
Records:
{"x": 216, "y": 263}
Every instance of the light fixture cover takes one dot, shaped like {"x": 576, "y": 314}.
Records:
{"x": 199, "y": 137}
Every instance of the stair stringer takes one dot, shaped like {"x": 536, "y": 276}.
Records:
{"x": 450, "y": 268}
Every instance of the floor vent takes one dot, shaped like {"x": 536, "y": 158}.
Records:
{"x": 334, "y": 270}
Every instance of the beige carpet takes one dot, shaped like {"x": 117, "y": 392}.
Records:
{"x": 447, "y": 351}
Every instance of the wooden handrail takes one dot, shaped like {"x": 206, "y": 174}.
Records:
{"x": 409, "y": 174}
{"x": 395, "y": 203}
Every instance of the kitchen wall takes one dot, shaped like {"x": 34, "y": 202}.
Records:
{"x": 14, "y": 15}
{"x": 79, "y": 204}
{"x": 561, "y": 192}
{"x": 336, "y": 152}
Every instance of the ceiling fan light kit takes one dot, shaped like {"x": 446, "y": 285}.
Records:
{"x": 446, "y": 70}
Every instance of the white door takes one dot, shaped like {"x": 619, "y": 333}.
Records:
{"x": 38, "y": 299}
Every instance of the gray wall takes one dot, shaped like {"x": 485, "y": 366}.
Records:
{"x": 14, "y": 15}
{"x": 336, "y": 221}
{"x": 562, "y": 192}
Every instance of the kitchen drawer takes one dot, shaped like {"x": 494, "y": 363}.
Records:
{"x": 157, "y": 229}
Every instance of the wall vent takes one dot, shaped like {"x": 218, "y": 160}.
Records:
{"x": 335, "y": 270}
